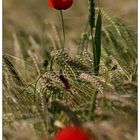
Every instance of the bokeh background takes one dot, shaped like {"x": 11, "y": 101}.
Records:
{"x": 29, "y": 16}
{"x": 32, "y": 33}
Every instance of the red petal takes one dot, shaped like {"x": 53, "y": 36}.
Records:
{"x": 50, "y": 3}
{"x": 60, "y": 4}
{"x": 72, "y": 133}
{"x": 67, "y": 4}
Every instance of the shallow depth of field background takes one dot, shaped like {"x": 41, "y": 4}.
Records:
{"x": 30, "y": 16}
{"x": 32, "y": 33}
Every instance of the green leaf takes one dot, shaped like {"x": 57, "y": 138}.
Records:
{"x": 97, "y": 46}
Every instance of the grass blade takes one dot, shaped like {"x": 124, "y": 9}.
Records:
{"x": 97, "y": 45}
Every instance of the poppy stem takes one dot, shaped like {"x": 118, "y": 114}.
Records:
{"x": 63, "y": 28}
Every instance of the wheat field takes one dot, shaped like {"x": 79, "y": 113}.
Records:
{"x": 46, "y": 88}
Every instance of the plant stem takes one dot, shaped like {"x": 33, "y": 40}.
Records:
{"x": 93, "y": 107}
{"x": 63, "y": 28}
{"x": 93, "y": 50}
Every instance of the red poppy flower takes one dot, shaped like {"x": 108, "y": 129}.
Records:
{"x": 72, "y": 133}
{"x": 60, "y": 4}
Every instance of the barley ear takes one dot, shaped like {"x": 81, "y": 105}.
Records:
{"x": 91, "y": 18}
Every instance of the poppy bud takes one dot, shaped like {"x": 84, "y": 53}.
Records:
{"x": 60, "y": 4}
{"x": 72, "y": 133}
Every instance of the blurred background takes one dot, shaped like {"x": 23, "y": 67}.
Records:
{"x": 30, "y": 16}
{"x": 32, "y": 33}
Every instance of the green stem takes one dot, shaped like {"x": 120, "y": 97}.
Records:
{"x": 93, "y": 107}
{"x": 93, "y": 50}
{"x": 51, "y": 65}
{"x": 63, "y": 28}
